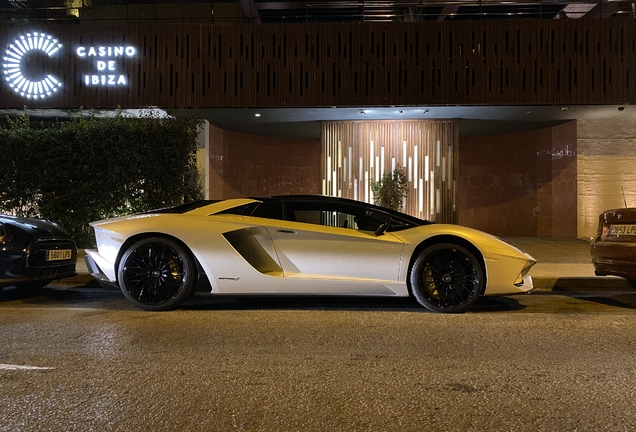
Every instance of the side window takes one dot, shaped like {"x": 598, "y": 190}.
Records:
{"x": 398, "y": 225}
{"x": 269, "y": 210}
{"x": 308, "y": 216}
{"x": 333, "y": 215}
{"x": 327, "y": 218}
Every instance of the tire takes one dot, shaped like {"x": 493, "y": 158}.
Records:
{"x": 156, "y": 274}
{"x": 446, "y": 278}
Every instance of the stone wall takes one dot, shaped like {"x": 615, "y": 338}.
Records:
{"x": 246, "y": 165}
{"x": 521, "y": 184}
{"x": 606, "y": 169}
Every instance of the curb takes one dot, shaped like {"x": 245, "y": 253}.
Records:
{"x": 580, "y": 283}
{"x": 80, "y": 278}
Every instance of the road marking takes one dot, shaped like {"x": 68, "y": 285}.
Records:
{"x": 22, "y": 367}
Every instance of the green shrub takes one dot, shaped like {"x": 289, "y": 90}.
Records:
{"x": 390, "y": 191}
{"x": 90, "y": 168}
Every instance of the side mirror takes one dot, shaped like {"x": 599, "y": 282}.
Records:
{"x": 383, "y": 219}
{"x": 382, "y": 228}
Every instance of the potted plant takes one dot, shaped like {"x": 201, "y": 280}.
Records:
{"x": 391, "y": 190}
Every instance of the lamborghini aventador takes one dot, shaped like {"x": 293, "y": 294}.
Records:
{"x": 301, "y": 245}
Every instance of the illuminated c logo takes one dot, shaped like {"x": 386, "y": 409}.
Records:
{"x": 13, "y": 71}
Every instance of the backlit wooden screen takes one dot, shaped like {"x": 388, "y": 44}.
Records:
{"x": 355, "y": 152}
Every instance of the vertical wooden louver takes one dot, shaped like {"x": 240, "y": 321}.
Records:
{"x": 356, "y": 152}
{"x": 507, "y": 62}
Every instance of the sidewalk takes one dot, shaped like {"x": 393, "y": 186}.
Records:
{"x": 561, "y": 265}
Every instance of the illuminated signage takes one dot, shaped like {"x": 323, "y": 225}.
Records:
{"x": 12, "y": 65}
{"x": 105, "y": 61}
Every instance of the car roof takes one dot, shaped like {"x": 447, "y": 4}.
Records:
{"x": 202, "y": 206}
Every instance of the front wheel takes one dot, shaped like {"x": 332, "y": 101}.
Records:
{"x": 156, "y": 274}
{"x": 446, "y": 278}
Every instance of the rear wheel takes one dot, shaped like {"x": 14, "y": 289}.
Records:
{"x": 156, "y": 274}
{"x": 446, "y": 278}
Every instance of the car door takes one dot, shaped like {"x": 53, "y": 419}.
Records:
{"x": 327, "y": 241}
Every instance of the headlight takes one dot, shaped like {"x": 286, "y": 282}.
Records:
{"x": 520, "y": 279}
{"x": 5, "y": 234}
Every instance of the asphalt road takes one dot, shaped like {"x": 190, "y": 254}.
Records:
{"x": 541, "y": 362}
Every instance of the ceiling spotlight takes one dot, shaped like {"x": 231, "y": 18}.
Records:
{"x": 401, "y": 112}
{"x": 426, "y": 111}
{"x": 621, "y": 108}
{"x": 257, "y": 115}
{"x": 362, "y": 112}
{"x": 564, "y": 108}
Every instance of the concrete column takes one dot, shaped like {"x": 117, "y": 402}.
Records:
{"x": 203, "y": 158}
{"x": 606, "y": 167}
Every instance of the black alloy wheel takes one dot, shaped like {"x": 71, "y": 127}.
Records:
{"x": 446, "y": 278}
{"x": 156, "y": 274}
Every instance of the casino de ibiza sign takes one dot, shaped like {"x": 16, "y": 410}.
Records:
{"x": 102, "y": 63}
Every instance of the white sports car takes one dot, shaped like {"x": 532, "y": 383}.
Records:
{"x": 301, "y": 245}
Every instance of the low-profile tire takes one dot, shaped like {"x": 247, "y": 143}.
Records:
{"x": 156, "y": 274}
{"x": 446, "y": 278}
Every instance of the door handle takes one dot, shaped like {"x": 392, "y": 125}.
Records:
{"x": 285, "y": 231}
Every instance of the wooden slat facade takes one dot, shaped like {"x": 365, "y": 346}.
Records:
{"x": 354, "y": 153}
{"x": 508, "y": 62}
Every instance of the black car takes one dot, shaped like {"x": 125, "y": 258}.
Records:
{"x": 34, "y": 252}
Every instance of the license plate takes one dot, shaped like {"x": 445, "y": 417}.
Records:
{"x": 58, "y": 255}
{"x": 623, "y": 230}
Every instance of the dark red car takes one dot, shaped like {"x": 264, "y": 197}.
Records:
{"x": 614, "y": 248}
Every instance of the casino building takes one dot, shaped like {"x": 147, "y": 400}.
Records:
{"x": 519, "y": 127}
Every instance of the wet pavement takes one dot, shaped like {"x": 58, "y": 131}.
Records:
{"x": 77, "y": 357}
{"x": 543, "y": 362}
